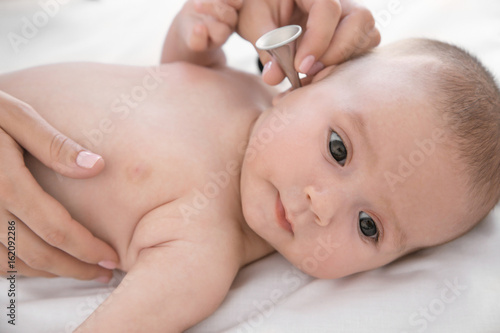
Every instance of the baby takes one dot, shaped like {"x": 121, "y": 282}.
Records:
{"x": 394, "y": 151}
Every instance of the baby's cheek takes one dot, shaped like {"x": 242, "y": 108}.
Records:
{"x": 329, "y": 259}
{"x": 320, "y": 258}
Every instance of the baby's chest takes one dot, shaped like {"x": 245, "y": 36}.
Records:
{"x": 194, "y": 179}
{"x": 181, "y": 149}
{"x": 160, "y": 156}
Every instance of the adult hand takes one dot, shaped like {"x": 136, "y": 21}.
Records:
{"x": 334, "y": 31}
{"x": 38, "y": 237}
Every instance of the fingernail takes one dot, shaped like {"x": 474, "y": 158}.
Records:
{"x": 306, "y": 64}
{"x": 87, "y": 159}
{"x": 318, "y": 66}
{"x": 103, "y": 279}
{"x": 108, "y": 264}
{"x": 267, "y": 67}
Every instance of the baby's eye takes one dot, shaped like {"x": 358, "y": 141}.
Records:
{"x": 337, "y": 148}
{"x": 367, "y": 226}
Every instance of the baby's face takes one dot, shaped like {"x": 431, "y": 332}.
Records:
{"x": 352, "y": 172}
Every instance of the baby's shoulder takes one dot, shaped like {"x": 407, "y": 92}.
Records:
{"x": 192, "y": 219}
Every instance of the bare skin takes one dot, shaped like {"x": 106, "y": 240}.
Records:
{"x": 173, "y": 155}
{"x": 54, "y": 244}
{"x": 175, "y": 138}
{"x": 159, "y": 152}
{"x": 400, "y": 172}
{"x": 169, "y": 200}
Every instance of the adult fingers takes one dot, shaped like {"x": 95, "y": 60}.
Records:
{"x": 52, "y": 148}
{"x": 355, "y": 34}
{"x": 18, "y": 266}
{"x": 48, "y": 219}
{"x": 323, "y": 18}
{"x": 272, "y": 73}
{"x": 35, "y": 257}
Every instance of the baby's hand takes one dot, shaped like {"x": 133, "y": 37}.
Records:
{"x": 199, "y": 30}
{"x": 210, "y": 23}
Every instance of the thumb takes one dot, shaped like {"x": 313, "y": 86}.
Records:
{"x": 67, "y": 157}
{"x": 44, "y": 142}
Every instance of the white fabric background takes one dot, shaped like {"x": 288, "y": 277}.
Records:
{"x": 451, "y": 288}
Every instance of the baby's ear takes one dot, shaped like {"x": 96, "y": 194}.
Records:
{"x": 305, "y": 82}
{"x": 278, "y": 97}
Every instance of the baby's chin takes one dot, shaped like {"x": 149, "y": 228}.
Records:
{"x": 248, "y": 206}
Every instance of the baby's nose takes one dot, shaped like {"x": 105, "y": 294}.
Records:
{"x": 321, "y": 204}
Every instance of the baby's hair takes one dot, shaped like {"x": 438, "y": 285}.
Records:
{"x": 468, "y": 100}
{"x": 471, "y": 106}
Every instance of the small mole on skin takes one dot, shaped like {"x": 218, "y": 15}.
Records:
{"x": 138, "y": 172}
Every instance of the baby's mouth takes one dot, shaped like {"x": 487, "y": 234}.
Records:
{"x": 281, "y": 216}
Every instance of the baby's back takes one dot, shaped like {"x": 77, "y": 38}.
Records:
{"x": 164, "y": 133}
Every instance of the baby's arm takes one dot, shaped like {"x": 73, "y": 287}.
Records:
{"x": 199, "y": 30}
{"x": 172, "y": 287}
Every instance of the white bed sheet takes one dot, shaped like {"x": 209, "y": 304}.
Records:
{"x": 451, "y": 288}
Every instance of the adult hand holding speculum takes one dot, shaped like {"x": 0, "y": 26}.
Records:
{"x": 333, "y": 32}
